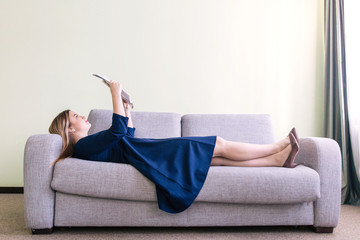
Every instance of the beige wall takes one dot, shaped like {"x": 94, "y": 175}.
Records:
{"x": 192, "y": 56}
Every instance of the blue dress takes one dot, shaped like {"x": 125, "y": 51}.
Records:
{"x": 177, "y": 166}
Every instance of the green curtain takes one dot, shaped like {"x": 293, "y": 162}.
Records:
{"x": 336, "y": 105}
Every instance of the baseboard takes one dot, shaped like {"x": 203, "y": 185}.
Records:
{"x": 11, "y": 190}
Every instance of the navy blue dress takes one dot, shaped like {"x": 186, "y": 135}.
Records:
{"x": 177, "y": 166}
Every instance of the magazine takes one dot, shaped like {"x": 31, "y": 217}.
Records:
{"x": 124, "y": 95}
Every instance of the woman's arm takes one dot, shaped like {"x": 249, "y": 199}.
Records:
{"x": 89, "y": 146}
{"x": 115, "y": 89}
{"x": 128, "y": 114}
{"x": 130, "y": 127}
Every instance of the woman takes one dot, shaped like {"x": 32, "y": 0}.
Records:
{"x": 178, "y": 166}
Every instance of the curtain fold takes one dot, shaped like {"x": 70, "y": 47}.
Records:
{"x": 352, "y": 39}
{"x": 336, "y": 99}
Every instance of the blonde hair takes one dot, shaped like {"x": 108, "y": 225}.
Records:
{"x": 60, "y": 125}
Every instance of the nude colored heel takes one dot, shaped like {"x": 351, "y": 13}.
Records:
{"x": 294, "y": 151}
{"x": 293, "y": 131}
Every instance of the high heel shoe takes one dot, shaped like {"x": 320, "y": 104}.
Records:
{"x": 294, "y": 151}
{"x": 293, "y": 131}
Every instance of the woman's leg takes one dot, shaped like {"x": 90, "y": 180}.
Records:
{"x": 238, "y": 151}
{"x": 275, "y": 160}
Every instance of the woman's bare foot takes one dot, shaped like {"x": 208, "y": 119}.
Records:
{"x": 282, "y": 156}
{"x": 282, "y": 144}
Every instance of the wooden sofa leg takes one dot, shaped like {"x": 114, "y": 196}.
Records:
{"x": 323, "y": 229}
{"x": 42, "y": 231}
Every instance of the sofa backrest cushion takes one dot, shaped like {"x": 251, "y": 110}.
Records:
{"x": 147, "y": 124}
{"x": 250, "y": 128}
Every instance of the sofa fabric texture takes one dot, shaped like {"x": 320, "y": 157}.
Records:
{"x": 266, "y": 185}
{"x": 249, "y": 128}
{"x": 75, "y": 210}
{"x": 147, "y": 124}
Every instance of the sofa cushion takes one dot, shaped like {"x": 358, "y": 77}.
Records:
{"x": 258, "y": 185}
{"x": 250, "y": 128}
{"x": 147, "y": 124}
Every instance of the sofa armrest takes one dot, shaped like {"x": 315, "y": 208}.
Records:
{"x": 324, "y": 156}
{"x": 40, "y": 151}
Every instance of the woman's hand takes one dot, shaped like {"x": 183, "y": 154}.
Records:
{"x": 127, "y": 107}
{"x": 116, "y": 89}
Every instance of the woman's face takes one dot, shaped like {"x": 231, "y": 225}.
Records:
{"x": 79, "y": 124}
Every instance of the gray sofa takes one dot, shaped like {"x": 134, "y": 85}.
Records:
{"x": 85, "y": 193}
